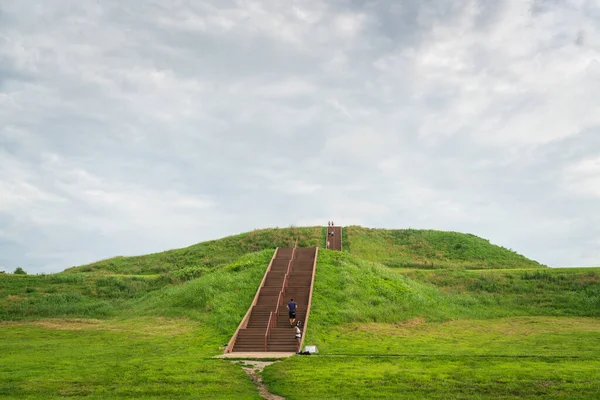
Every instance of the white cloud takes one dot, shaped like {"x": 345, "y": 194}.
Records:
{"x": 133, "y": 127}
{"x": 583, "y": 177}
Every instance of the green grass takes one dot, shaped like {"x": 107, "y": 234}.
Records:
{"x": 220, "y": 297}
{"x": 430, "y": 249}
{"x": 154, "y": 340}
{"x": 349, "y": 290}
{"x": 565, "y": 291}
{"x": 551, "y": 280}
{"x": 315, "y": 377}
{"x": 202, "y": 257}
{"x": 510, "y": 337}
{"x": 398, "y": 314}
{"x": 149, "y": 358}
{"x": 397, "y": 248}
{"x": 446, "y": 334}
{"x": 75, "y": 295}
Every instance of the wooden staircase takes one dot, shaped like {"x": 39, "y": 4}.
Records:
{"x": 334, "y": 238}
{"x": 266, "y": 327}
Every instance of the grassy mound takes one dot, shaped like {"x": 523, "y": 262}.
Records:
{"x": 413, "y": 248}
{"x": 218, "y": 298}
{"x": 147, "y": 326}
{"x": 197, "y": 259}
{"x": 407, "y": 248}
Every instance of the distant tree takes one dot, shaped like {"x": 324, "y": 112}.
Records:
{"x": 20, "y": 271}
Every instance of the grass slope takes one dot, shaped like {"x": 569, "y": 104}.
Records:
{"x": 398, "y": 248}
{"x": 220, "y": 297}
{"x": 430, "y": 249}
{"x": 352, "y": 291}
{"x": 207, "y": 255}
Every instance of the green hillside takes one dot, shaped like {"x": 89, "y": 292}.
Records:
{"x": 148, "y": 326}
{"x": 207, "y": 255}
{"x": 415, "y": 248}
{"x": 396, "y": 248}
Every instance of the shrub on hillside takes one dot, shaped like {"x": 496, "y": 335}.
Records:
{"x": 20, "y": 271}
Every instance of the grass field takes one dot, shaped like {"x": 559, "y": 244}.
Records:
{"x": 434, "y": 378}
{"x": 148, "y": 358}
{"x": 399, "y": 314}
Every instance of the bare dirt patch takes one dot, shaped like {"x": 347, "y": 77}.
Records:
{"x": 397, "y": 328}
{"x": 142, "y": 327}
{"x": 411, "y": 322}
{"x": 68, "y": 324}
{"x": 254, "y": 368}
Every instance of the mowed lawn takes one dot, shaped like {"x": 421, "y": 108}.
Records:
{"x": 523, "y": 357}
{"x": 515, "y": 336}
{"x": 353, "y": 377}
{"x": 457, "y": 334}
{"x": 150, "y": 358}
{"x": 507, "y": 358}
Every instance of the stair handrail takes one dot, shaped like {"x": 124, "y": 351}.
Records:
{"x": 268, "y": 331}
{"x": 286, "y": 279}
{"x": 279, "y": 299}
{"x": 312, "y": 284}
{"x": 244, "y": 321}
{"x": 291, "y": 264}
{"x": 285, "y": 282}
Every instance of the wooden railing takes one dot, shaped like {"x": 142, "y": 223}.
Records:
{"x": 279, "y": 300}
{"x": 291, "y": 263}
{"x": 285, "y": 280}
{"x": 268, "y": 331}
{"x": 244, "y": 321}
{"x": 312, "y": 284}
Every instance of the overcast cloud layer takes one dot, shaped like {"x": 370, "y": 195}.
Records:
{"x": 134, "y": 127}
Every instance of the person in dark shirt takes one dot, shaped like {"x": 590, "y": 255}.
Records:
{"x": 292, "y": 312}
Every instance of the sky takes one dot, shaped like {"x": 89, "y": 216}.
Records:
{"x": 134, "y": 127}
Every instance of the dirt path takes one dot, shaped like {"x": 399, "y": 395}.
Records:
{"x": 253, "y": 368}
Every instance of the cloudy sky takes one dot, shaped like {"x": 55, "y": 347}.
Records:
{"x": 135, "y": 127}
